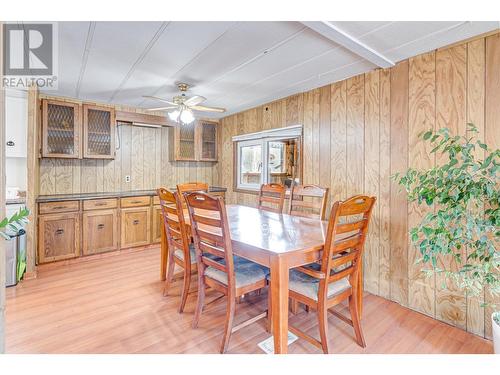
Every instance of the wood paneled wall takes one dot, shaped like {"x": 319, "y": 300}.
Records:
{"x": 143, "y": 154}
{"x": 360, "y": 131}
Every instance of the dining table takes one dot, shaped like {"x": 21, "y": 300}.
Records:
{"x": 278, "y": 241}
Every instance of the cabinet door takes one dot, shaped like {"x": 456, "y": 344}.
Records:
{"x": 100, "y": 231}
{"x": 16, "y": 124}
{"x": 157, "y": 223}
{"x": 61, "y": 124}
{"x": 135, "y": 226}
{"x": 59, "y": 237}
{"x": 185, "y": 142}
{"x": 98, "y": 132}
{"x": 208, "y": 141}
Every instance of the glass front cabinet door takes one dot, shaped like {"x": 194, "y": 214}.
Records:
{"x": 208, "y": 140}
{"x": 98, "y": 132}
{"x": 61, "y": 124}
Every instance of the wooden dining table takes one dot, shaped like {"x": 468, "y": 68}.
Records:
{"x": 277, "y": 241}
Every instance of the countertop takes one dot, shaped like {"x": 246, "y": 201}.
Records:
{"x": 16, "y": 201}
{"x": 120, "y": 194}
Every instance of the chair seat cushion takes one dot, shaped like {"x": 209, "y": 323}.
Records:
{"x": 246, "y": 272}
{"x": 309, "y": 286}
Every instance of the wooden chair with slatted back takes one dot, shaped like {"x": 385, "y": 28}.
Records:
{"x": 180, "y": 251}
{"x": 233, "y": 276}
{"x": 326, "y": 284}
{"x": 272, "y": 197}
{"x": 189, "y": 187}
{"x": 314, "y": 207}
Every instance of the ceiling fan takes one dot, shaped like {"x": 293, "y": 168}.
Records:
{"x": 182, "y": 106}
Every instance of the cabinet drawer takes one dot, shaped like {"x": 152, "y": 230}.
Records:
{"x": 100, "y": 204}
{"x": 135, "y": 201}
{"x": 135, "y": 226}
{"x": 58, "y": 237}
{"x": 56, "y": 207}
{"x": 100, "y": 231}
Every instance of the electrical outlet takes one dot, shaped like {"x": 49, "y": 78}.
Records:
{"x": 127, "y": 178}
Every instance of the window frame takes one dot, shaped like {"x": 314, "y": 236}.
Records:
{"x": 263, "y": 139}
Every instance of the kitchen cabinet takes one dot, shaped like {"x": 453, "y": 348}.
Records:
{"x": 135, "y": 226}
{"x": 61, "y": 129}
{"x": 16, "y": 124}
{"x": 99, "y": 128}
{"x": 207, "y": 141}
{"x": 194, "y": 142}
{"x": 100, "y": 231}
{"x": 58, "y": 236}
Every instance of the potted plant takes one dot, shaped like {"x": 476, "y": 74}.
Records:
{"x": 464, "y": 190}
{"x": 15, "y": 224}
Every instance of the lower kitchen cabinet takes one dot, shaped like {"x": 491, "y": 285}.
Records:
{"x": 157, "y": 223}
{"x": 100, "y": 231}
{"x": 58, "y": 237}
{"x": 135, "y": 226}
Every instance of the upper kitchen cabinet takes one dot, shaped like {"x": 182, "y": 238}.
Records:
{"x": 98, "y": 132}
{"x": 16, "y": 121}
{"x": 194, "y": 142}
{"x": 208, "y": 140}
{"x": 61, "y": 127}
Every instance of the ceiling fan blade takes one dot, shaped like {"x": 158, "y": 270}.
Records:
{"x": 207, "y": 109}
{"x": 160, "y": 99}
{"x": 194, "y": 100}
{"x": 161, "y": 108}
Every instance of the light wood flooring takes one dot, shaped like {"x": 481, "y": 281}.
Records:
{"x": 115, "y": 305}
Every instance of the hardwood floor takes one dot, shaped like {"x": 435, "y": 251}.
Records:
{"x": 115, "y": 305}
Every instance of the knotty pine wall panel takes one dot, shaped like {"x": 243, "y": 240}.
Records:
{"x": 360, "y": 131}
{"x": 142, "y": 154}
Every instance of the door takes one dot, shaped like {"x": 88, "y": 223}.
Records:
{"x": 157, "y": 223}
{"x": 98, "y": 132}
{"x": 135, "y": 226}
{"x": 61, "y": 124}
{"x": 59, "y": 237}
{"x": 100, "y": 231}
{"x": 208, "y": 141}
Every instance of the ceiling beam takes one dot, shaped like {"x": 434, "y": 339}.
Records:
{"x": 335, "y": 34}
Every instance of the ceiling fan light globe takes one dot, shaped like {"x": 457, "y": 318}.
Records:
{"x": 186, "y": 116}
{"x": 174, "y": 115}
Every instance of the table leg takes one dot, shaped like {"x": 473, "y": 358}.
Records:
{"x": 279, "y": 302}
{"x": 164, "y": 255}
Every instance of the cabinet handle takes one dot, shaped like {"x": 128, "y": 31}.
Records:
{"x": 59, "y": 207}
{"x": 135, "y": 202}
{"x": 100, "y": 226}
{"x": 100, "y": 204}
{"x": 59, "y": 231}
{"x": 135, "y": 222}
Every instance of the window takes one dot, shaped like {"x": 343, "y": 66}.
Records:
{"x": 265, "y": 157}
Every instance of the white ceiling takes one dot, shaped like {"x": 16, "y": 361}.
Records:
{"x": 236, "y": 65}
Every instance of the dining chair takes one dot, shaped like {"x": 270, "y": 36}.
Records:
{"x": 180, "y": 249}
{"x": 271, "y": 197}
{"x": 326, "y": 284}
{"x": 232, "y": 275}
{"x": 314, "y": 206}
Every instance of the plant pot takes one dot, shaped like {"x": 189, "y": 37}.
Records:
{"x": 495, "y": 327}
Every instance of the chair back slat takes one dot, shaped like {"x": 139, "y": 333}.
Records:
{"x": 308, "y": 201}
{"x": 342, "y": 254}
{"x": 211, "y": 236}
{"x": 271, "y": 197}
{"x": 174, "y": 223}
{"x": 190, "y": 187}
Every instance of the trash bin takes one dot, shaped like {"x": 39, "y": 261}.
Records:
{"x": 14, "y": 246}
